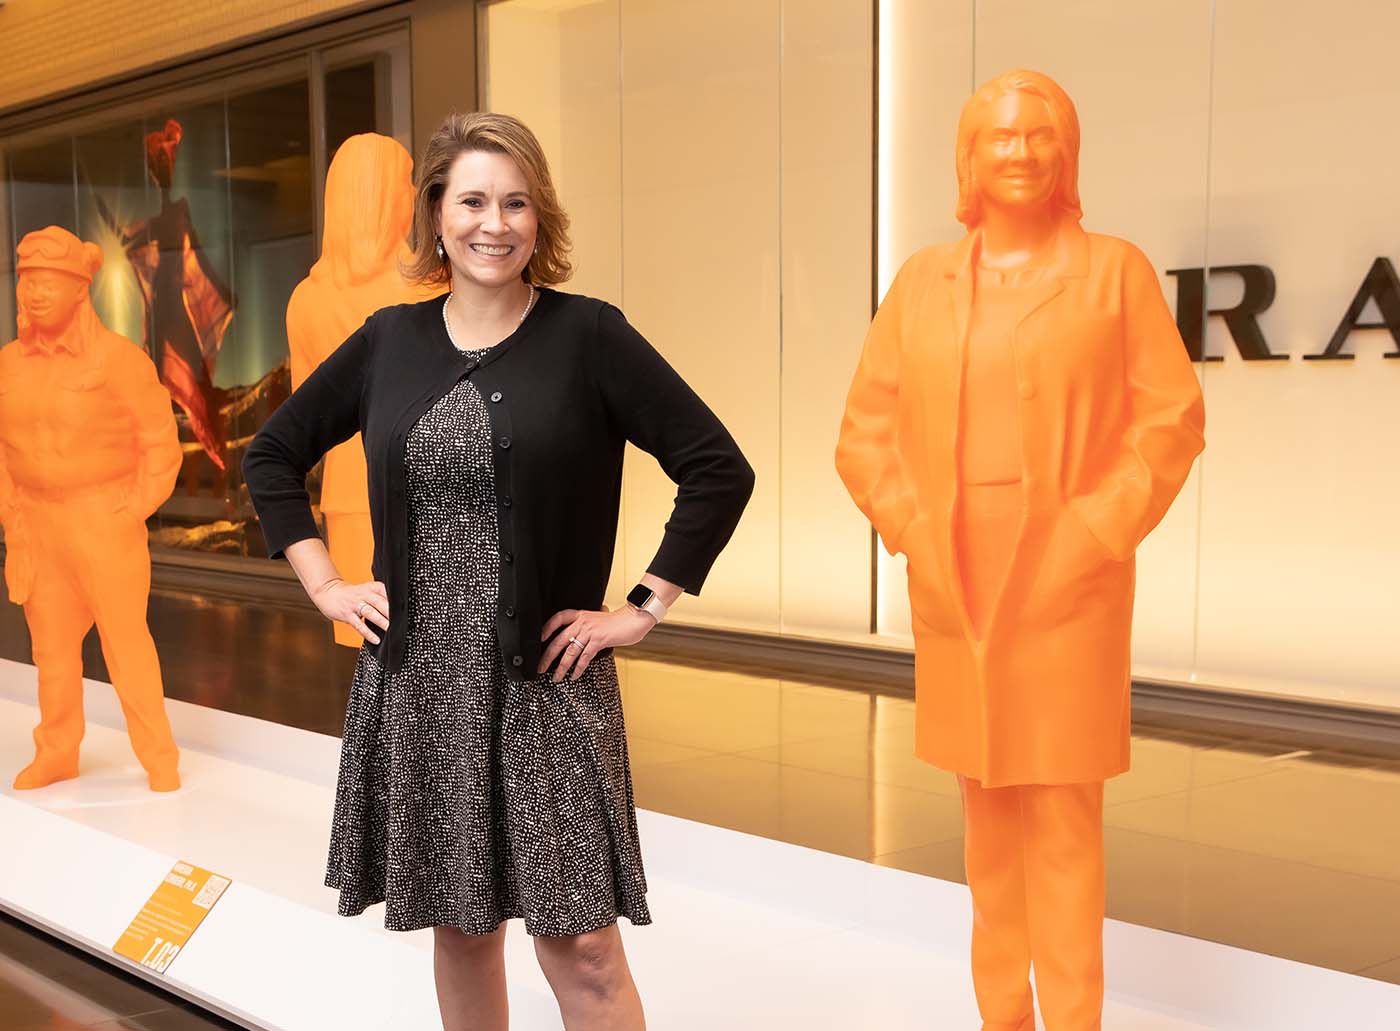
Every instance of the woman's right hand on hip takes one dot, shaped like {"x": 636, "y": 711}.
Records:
{"x": 365, "y": 607}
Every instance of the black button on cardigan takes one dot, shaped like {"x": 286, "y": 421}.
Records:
{"x": 582, "y": 383}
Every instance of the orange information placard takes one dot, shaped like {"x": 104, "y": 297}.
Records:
{"x": 172, "y": 913}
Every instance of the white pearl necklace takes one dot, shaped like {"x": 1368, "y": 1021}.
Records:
{"x": 529, "y": 303}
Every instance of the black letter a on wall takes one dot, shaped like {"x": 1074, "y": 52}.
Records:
{"x": 1381, "y": 284}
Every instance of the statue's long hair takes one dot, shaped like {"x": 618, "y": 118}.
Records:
{"x": 368, "y": 210}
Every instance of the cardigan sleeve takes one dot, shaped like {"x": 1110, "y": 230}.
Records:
{"x": 659, "y": 413}
{"x": 1166, "y": 420}
{"x": 321, "y": 413}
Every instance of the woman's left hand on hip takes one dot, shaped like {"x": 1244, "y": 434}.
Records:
{"x": 579, "y": 635}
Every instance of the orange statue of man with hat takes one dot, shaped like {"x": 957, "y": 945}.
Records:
{"x": 88, "y": 450}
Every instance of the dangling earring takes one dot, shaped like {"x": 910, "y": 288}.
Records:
{"x": 537, "y": 249}
{"x": 440, "y": 252}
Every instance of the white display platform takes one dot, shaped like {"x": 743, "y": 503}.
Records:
{"x": 749, "y": 933}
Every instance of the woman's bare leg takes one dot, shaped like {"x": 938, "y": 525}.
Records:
{"x": 591, "y": 980}
{"x": 470, "y": 970}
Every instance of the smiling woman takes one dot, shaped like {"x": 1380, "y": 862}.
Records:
{"x": 483, "y": 164}
{"x": 484, "y": 771}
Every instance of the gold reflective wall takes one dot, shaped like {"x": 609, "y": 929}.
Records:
{"x": 715, "y": 159}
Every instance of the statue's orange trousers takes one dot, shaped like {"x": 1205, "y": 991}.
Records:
{"x": 93, "y": 565}
{"x": 1034, "y": 856}
{"x": 1034, "y": 852}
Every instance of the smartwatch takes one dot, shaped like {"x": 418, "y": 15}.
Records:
{"x": 644, "y": 599}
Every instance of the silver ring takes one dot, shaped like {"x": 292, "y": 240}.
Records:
{"x": 576, "y": 642}
{"x": 360, "y": 612}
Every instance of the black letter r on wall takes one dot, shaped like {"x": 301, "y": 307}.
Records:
{"x": 1241, "y": 320}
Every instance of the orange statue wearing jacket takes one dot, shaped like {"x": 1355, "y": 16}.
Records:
{"x": 368, "y": 212}
{"x": 1022, "y": 416}
{"x": 88, "y": 451}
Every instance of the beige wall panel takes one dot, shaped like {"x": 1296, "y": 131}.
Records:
{"x": 559, "y": 68}
{"x": 1139, "y": 75}
{"x": 48, "y": 47}
{"x": 444, "y": 74}
{"x": 591, "y": 132}
{"x": 590, "y": 77}
{"x": 1300, "y": 562}
{"x": 691, "y": 167}
{"x": 521, "y": 72}
{"x": 925, "y": 75}
{"x": 700, "y": 272}
{"x": 827, "y": 226}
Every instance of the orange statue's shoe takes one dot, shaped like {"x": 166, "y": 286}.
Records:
{"x": 40, "y": 774}
{"x": 165, "y": 780}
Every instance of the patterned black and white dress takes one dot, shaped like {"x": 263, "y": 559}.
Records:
{"x": 467, "y": 798}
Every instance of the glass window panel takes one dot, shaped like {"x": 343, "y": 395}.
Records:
{"x": 352, "y": 103}
{"x": 115, "y": 192}
{"x": 42, "y": 188}
{"x": 272, "y": 203}
{"x": 180, "y": 245}
{"x": 7, "y": 260}
{"x": 198, "y": 268}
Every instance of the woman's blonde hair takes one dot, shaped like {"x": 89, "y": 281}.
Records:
{"x": 974, "y": 118}
{"x": 497, "y": 134}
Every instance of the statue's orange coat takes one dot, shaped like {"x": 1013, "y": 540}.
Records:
{"x": 1111, "y": 418}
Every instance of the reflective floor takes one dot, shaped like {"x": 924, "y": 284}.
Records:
{"x": 47, "y": 986}
{"x": 1280, "y": 850}
{"x": 1293, "y": 854}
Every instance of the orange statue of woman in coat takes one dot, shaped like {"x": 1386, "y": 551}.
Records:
{"x": 88, "y": 451}
{"x": 1023, "y": 414}
{"x": 368, "y": 212}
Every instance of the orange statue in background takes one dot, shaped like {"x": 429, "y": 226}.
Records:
{"x": 88, "y": 450}
{"x": 368, "y": 212}
{"x": 1023, "y": 414}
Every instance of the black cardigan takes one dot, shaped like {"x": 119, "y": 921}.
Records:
{"x": 564, "y": 393}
